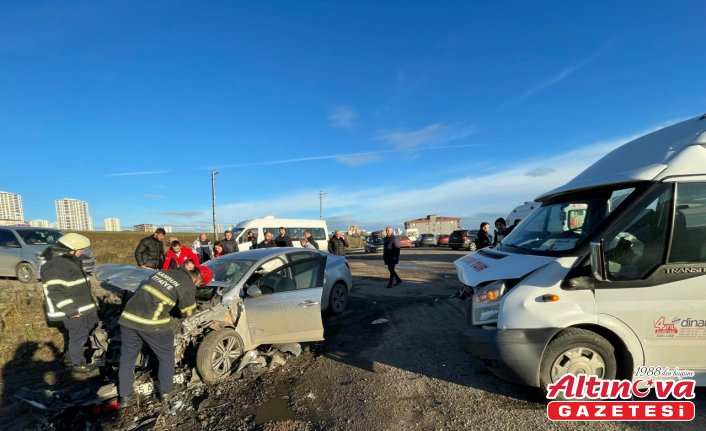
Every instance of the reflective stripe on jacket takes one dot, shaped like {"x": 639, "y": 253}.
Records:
{"x": 148, "y": 309}
{"x": 67, "y": 288}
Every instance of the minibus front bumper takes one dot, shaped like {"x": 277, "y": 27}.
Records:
{"x": 511, "y": 354}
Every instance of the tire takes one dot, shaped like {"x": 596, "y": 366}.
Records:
{"x": 472, "y": 246}
{"x": 25, "y": 273}
{"x": 218, "y": 353}
{"x": 338, "y": 299}
{"x": 577, "y": 351}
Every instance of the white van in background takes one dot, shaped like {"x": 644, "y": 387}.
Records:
{"x": 295, "y": 230}
{"x": 606, "y": 276}
{"x": 521, "y": 212}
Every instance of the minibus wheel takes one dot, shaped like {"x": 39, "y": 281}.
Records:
{"x": 577, "y": 351}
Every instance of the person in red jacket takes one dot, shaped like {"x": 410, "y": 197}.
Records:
{"x": 176, "y": 255}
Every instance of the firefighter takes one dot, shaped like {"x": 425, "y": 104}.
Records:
{"x": 146, "y": 318}
{"x": 67, "y": 290}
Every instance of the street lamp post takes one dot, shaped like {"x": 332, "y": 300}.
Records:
{"x": 321, "y": 204}
{"x": 213, "y": 201}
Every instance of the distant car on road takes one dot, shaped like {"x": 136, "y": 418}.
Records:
{"x": 405, "y": 242}
{"x": 374, "y": 244}
{"x": 426, "y": 240}
{"x": 463, "y": 238}
{"x": 442, "y": 240}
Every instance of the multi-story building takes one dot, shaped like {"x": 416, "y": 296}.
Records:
{"x": 111, "y": 224}
{"x": 72, "y": 214}
{"x": 11, "y": 209}
{"x": 353, "y": 230}
{"x": 434, "y": 224}
{"x": 144, "y": 227}
{"x": 39, "y": 223}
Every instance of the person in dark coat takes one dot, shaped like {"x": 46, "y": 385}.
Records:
{"x": 253, "y": 240}
{"x": 337, "y": 244}
{"x": 310, "y": 239}
{"x": 150, "y": 251}
{"x": 267, "y": 242}
{"x": 391, "y": 255}
{"x": 484, "y": 239}
{"x": 283, "y": 240}
{"x": 501, "y": 231}
{"x": 68, "y": 299}
{"x": 228, "y": 242}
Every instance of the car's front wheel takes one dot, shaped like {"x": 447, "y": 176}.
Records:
{"x": 577, "y": 351}
{"x": 218, "y": 353}
{"x": 338, "y": 299}
{"x": 25, "y": 273}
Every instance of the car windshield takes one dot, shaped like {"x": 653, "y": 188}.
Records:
{"x": 39, "y": 236}
{"x": 565, "y": 223}
{"x": 230, "y": 270}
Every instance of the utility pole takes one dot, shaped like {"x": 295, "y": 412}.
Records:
{"x": 213, "y": 201}
{"x": 321, "y": 204}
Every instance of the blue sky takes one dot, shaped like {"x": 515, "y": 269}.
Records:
{"x": 394, "y": 109}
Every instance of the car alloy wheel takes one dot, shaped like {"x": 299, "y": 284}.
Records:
{"x": 338, "y": 298}
{"x": 217, "y": 355}
{"x": 25, "y": 273}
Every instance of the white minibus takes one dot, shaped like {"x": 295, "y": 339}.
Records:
{"x": 620, "y": 287}
{"x": 295, "y": 230}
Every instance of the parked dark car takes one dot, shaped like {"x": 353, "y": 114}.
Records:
{"x": 426, "y": 240}
{"x": 463, "y": 238}
{"x": 442, "y": 240}
{"x": 374, "y": 244}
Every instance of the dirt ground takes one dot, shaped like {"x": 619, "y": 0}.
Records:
{"x": 408, "y": 372}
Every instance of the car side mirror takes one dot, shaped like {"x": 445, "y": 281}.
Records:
{"x": 253, "y": 291}
{"x": 598, "y": 266}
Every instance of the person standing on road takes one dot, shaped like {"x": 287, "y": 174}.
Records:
{"x": 337, "y": 244}
{"x": 150, "y": 251}
{"x": 484, "y": 239}
{"x": 267, "y": 242}
{"x": 177, "y": 255}
{"x": 218, "y": 249}
{"x": 67, "y": 290}
{"x": 145, "y": 318}
{"x": 310, "y": 239}
{"x": 391, "y": 255}
{"x": 253, "y": 240}
{"x": 229, "y": 244}
{"x": 203, "y": 248}
{"x": 283, "y": 240}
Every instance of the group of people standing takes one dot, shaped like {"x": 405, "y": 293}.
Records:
{"x": 485, "y": 239}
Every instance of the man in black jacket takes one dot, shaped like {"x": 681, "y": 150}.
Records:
{"x": 484, "y": 239}
{"x": 67, "y": 290}
{"x": 337, "y": 244}
{"x": 391, "y": 255}
{"x": 267, "y": 242}
{"x": 145, "y": 318}
{"x": 229, "y": 244}
{"x": 150, "y": 251}
{"x": 283, "y": 240}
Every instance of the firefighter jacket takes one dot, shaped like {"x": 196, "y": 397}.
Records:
{"x": 67, "y": 288}
{"x": 148, "y": 309}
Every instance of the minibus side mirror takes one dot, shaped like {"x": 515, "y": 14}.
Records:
{"x": 598, "y": 268}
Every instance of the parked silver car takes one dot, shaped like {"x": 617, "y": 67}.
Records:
{"x": 263, "y": 296}
{"x": 23, "y": 250}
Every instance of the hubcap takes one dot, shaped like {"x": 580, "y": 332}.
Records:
{"x": 225, "y": 354}
{"x": 579, "y": 360}
{"x": 338, "y": 298}
{"x": 24, "y": 273}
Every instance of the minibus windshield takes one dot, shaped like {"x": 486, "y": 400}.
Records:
{"x": 564, "y": 223}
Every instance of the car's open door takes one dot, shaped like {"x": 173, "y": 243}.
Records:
{"x": 289, "y": 309}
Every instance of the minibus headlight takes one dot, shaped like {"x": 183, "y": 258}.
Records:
{"x": 491, "y": 292}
